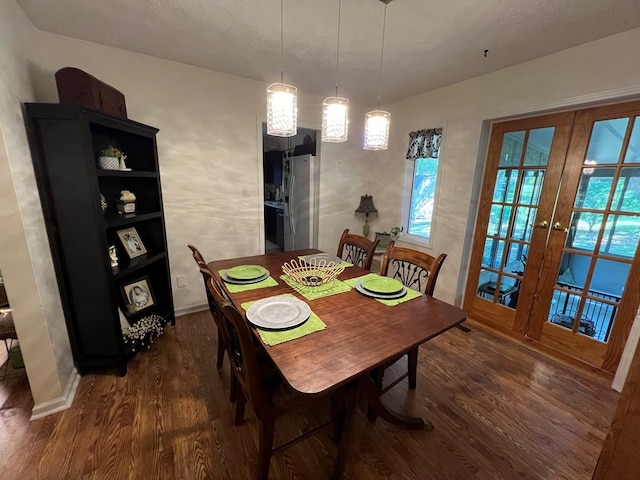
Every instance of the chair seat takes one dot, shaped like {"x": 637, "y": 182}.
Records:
{"x": 7, "y": 329}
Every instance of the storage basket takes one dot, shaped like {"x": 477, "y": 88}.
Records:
{"x": 312, "y": 274}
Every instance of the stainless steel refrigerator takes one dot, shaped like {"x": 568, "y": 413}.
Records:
{"x": 300, "y": 183}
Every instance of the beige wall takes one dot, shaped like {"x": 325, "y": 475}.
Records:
{"x": 24, "y": 251}
{"x": 209, "y": 147}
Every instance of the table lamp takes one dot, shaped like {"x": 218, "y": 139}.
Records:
{"x": 366, "y": 207}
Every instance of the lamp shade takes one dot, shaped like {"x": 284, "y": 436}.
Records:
{"x": 282, "y": 110}
{"x": 376, "y": 130}
{"x": 335, "y": 119}
{"x": 366, "y": 205}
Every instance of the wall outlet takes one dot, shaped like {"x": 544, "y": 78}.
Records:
{"x": 181, "y": 280}
{"x": 245, "y": 190}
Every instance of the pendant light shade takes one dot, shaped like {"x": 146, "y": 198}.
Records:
{"x": 282, "y": 110}
{"x": 335, "y": 110}
{"x": 376, "y": 122}
{"x": 376, "y": 130}
{"x": 282, "y": 99}
{"x": 335, "y": 119}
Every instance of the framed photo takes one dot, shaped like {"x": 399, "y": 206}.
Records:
{"x": 138, "y": 295}
{"x": 131, "y": 242}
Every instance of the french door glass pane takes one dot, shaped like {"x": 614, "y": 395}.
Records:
{"x": 522, "y": 227}
{"x": 539, "y": 146}
{"x": 492, "y": 256}
{"x": 627, "y": 195}
{"x": 609, "y": 278}
{"x": 505, "y": 185}
{"x": 584, "y": 232}
{"x": 499, "y": 220}
{"x": 633, "y": 151}
{"x": 531, "y": 186}
{"x": 511, "y": 152}
{"x": 621, "y": 236}
{"x": 594, "y": 189}
{"x": 515, "y": 259}
{"x": 606, "y": 141}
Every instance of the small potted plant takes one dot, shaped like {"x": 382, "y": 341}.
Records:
{"x": 112, "y": 158}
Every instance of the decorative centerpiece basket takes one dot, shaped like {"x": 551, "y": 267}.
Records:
{"x": 312, "y": 274}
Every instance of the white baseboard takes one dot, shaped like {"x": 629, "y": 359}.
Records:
{"x": 191, "y": 309}
{"x": 58, "y": 404}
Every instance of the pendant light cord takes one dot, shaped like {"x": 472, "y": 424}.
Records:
{"x": 281, "y": 41}
{"x": 338, "y": 47}
{"x": 384, "y": 25}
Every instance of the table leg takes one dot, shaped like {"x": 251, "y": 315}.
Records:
{"x": 346, "y": 436}
{"x": 403, "y": 421}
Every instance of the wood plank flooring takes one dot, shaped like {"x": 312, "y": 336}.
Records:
{"x": 500, "y": 410}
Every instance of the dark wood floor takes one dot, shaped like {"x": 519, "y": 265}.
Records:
{"x": 500, "y": 411}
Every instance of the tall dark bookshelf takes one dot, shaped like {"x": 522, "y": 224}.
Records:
{"x": 65, "y": 141}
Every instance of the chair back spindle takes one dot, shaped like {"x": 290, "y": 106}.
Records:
{"x": 415, "y": 269}
{"x": 357, "y": 249}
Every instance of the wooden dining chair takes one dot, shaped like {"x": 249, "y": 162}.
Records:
{"x": 357, "y": 249}
{"x": 416, "y": 270}
{"x": 204, "y": 270}
{"x": 264, "y": 391}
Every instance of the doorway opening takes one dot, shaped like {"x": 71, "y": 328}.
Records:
{"x": 291, "y": 178}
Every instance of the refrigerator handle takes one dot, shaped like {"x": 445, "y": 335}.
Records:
{"x": 292, "y": 220}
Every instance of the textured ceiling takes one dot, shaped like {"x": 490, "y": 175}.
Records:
{"x": 428, "y": 43}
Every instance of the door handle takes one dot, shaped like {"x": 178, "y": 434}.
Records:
{"x": 543, "y": 224}
{"x": 557, "y": 226}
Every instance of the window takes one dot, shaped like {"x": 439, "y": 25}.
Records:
{"x": 421, "y": 184}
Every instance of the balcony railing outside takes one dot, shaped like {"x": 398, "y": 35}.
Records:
{"x": 597, "y": 316}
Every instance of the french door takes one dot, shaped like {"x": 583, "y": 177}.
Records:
{"x": 555, "y": 251}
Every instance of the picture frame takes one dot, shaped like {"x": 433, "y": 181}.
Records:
{"x": 131, "y": 242}
{"x": 138, "y": 296}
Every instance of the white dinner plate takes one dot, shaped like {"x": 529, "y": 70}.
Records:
{"x": 278, "y": 313}
{"x": 318, "y": 257}
{"x": 228, "y": 279}
{"x": 381, "y": 296}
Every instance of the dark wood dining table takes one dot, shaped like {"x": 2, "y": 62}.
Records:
{"x": 361, "y": 334}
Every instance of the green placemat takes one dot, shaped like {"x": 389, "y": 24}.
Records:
{"x": 234, "y": 288}
{"x": 411, "y": 293}
{"x": 271, "y": 338}
{"x": 313, "y": 293}
{"x": 342, "y": 264}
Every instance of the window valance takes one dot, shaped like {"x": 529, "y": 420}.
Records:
{"x": 424, "y": 144}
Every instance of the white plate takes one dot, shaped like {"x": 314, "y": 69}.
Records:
{"x": 278, "y": 313}
{"x": 381, "y": 296}
{"x": 228, "y": 279}
{"x": 321, "y": 256}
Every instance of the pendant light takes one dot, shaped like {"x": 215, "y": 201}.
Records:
{"x": 335, "y": 110}
{"x": 376, "y": 126}
{"x": 282, "y": 99}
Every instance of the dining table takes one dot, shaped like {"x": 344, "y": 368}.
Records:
{"x": 359, "y": 334}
